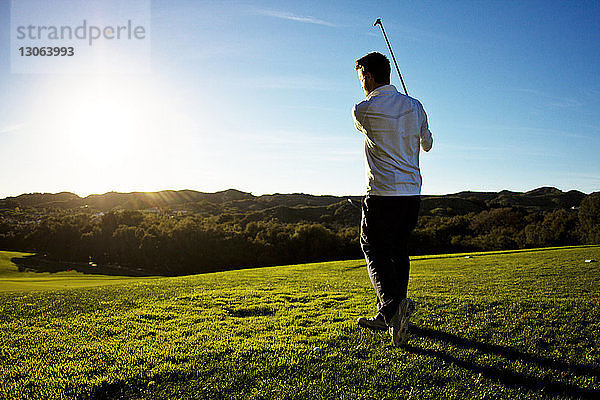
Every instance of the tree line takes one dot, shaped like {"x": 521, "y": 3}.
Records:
{"x": 191, "y": 243}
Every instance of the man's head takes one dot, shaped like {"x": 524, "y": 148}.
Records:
{"x": 373, "y": 71}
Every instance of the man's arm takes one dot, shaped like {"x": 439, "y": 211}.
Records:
{"x": 426, "y": 136}
{"x": 359, "y": 118}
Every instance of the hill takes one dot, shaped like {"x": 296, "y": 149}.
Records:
{"x": 501, "y": 326}
{"x": 237, "y": 201}
{"x": 127, "y": 201}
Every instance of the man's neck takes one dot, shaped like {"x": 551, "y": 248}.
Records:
{"x": 377, "y": 85}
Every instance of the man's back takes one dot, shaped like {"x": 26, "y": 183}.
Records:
{"x": 395, "y": 127}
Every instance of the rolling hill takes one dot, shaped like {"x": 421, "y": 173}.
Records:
{"x": 236, "y": 201}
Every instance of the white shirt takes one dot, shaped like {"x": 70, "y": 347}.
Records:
{"x": 395, "y": 126}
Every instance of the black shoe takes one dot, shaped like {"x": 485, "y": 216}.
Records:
{"x": 375, "y": 323}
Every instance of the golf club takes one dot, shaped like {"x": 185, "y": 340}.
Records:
{"x": 378, "y": 22}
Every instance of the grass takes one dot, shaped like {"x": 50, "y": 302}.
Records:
{"x": 520, "y": 325}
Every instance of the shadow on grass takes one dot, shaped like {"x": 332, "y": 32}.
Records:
{"x": 357, "y": 266}
{"x": 35, "y": 263}
{"x": 506, "y": 376}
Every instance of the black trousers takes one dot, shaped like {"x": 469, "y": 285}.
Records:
{"x": 387, "y": 222}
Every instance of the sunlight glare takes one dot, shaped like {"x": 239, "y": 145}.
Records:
{"x": 104, "y": 130}
{"x": 115, "y": 133}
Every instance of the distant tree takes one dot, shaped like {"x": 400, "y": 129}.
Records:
{"x": 125, "y": 244}
{"x": 557, "y": 228}
{"x": 487, "y": 221}
{"x": 109, "y": 223}
{"x": 314, "y": 242}
{"x": 92, "y": 244}
{"x": 150, "y": 253}
{"x": 589, "y": 219}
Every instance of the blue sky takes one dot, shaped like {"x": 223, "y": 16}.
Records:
{"x": 257, "y": 95}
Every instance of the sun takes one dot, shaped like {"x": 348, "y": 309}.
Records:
{"x": 99, "y": 133}
{"x": 105, "y": 128}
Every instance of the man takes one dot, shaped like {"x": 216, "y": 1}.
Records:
{"x": 395, "y": 126}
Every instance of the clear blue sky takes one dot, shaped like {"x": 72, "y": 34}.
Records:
{"x": 257, "y": 96}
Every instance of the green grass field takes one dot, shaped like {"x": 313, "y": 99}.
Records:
{"x": 522, "y": 325}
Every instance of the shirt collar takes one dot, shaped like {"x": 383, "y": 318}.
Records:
{"x": 382, "y": 89}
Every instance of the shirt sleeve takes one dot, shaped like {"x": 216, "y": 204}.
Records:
{"x": 426, "y": 136}
{"x": 359, "y": 119}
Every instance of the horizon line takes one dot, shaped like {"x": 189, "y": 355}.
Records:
{"x": 281, "y": 193}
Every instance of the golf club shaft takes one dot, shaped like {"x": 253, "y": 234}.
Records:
{"x": 392, "y": 53}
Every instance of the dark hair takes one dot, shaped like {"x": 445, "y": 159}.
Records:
{"x": 377, "y": 64}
